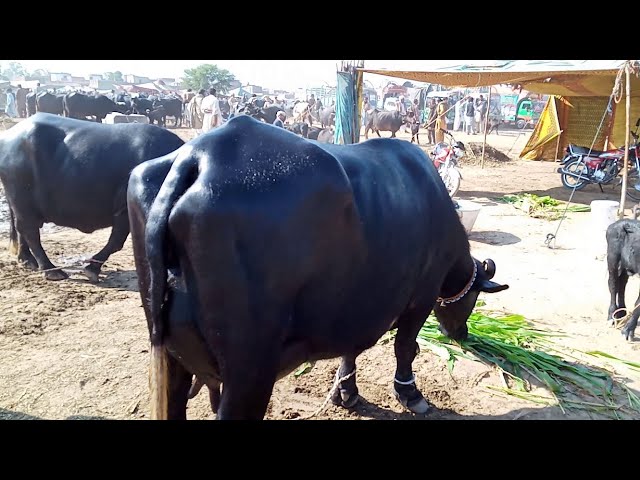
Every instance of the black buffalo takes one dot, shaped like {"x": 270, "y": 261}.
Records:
{"x": 384, "y": 121}
{"x": 313, "y": 133}
{"x": 31, "y": 104}
{"x": 72, "y": 173}
{"x": 267, "y": 115}
{"x": 257, "y": 250}
{"x": 50, "y": 103}
{"x": 141, "y": 105}
{"x": 78, "y": 105}
{"x": 623, "y": 260}
{"x": 158, "y": 114}
{"x": 299, "y": 128}
{"x": 172, "y": 107}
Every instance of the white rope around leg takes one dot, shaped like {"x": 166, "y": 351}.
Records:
{"x": 336, "y": 384}
{"x": 621, "y": 322}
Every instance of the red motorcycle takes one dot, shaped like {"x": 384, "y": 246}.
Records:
{"x": 581, "y": 167}
{"x": 445, "y": 157}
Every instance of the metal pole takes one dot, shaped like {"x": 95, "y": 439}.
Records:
{"x": 626, "y": 143}
{"x": 486, "y": 123}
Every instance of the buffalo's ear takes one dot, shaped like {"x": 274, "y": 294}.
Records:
{"x": 492, "y": 287}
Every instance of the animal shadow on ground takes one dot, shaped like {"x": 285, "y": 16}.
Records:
{"x": 14, "y": 415}
{"x": 126, "y": 280}
{"x": 479, "y": 199}
{"x": 372, "y": 411}
{"x": 494, "y": 238}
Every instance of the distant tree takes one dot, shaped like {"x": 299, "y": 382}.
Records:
{"x": 114, "y": 76}
{"x": 14, "y": 70}
{"x": 208, "y": 76}
{"x": 40, "y": 72}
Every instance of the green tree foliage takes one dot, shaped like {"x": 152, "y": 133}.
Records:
{"x": 114, "y": 76}
{"x": 14, "y": 70}
{"x": 208, "y": 76}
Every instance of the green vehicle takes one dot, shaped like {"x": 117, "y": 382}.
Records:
{"x": 528, "y": 111}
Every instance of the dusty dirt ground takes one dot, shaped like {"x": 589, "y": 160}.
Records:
{"x": 73, "y": 350}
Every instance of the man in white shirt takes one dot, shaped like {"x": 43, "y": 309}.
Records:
{"x": 211, "y": 109}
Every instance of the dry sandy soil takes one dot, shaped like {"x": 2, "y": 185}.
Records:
{"x": 73, "y": 350}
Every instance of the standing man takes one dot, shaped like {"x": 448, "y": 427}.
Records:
{"x": 211, "y": 108}
{"x": 280, "y": 118}
{"x": 441, "y": 122}
{"x": 21, "y": 101}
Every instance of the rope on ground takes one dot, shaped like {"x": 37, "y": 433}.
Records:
{"x": 617, "y": 87}
{"x": 76, "y": 263}
{"x": 336, "y": 384}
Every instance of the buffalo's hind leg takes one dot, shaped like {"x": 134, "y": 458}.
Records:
{"x": 178, "y": 392}
{"x": 406, "y": 349}
{"x": 629, "y": 329}
{"x": 30, "y": 240}
{"x": 346, "y": 395}
{"x": 18, "y": 245}
{"x": 617, "y": 285}
{"x": 118, "y": 236}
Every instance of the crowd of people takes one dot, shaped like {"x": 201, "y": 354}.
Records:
{"x": 16, "y": 102}
{"x": 469, "y": 115}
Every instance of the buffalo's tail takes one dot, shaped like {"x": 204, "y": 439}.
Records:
{"x": 13, "y": 233}
{"x": 178, "y": 181}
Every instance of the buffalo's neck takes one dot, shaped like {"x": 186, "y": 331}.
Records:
{"x": 458, "y": 277}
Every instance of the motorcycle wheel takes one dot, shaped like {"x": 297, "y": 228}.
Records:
{"x": 578, "y": 167}
{"x": 451, "y": 179}
{"x": 632, "y": 180}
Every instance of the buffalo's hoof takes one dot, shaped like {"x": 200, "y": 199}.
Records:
{"x": 627, "y": 333}
{"x": 345, "y": 399}
{"x": 91, "y": 274}
{"x": 411, "y": 398}
{"x": 29, "y": 262}
{"x": 56, "y": 275}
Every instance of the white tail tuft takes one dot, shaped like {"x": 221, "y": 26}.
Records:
{"x": 159, "y": 383}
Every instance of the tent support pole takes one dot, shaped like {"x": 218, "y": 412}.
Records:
{"x": 623, "y": 194}
{"x": 486, "y": 123}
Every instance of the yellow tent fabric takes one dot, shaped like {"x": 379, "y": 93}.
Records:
{"x": 574, "y": 120}
{"x": 567, "y": 81}
{"x": 547, "y": 129}
{"x": 581, "y": 91}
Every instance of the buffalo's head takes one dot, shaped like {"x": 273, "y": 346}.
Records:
{"x": 459, "y": 295}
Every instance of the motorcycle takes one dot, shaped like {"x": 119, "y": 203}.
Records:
{"x": 581, "y": 167}
{"x": 445, "y": 158}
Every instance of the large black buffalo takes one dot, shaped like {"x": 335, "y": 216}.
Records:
{"x": 50, "y": 103}
{"x": 257, "y": 250}
{"x": 78, "y": 105}
{"x": 267, "y": 115}
{"x": 172, "y": 107}
{"x": 384, "y": 121}
{"x": 72, "y": 173}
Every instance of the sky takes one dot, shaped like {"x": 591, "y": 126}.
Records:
{"x": 281, "y": 74}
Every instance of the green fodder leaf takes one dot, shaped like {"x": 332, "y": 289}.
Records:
{"x": 598, "y": 353}
{"x": 513, "y": 344}
{"x": 304, "y": 368}
{"x": 450, "y": 363}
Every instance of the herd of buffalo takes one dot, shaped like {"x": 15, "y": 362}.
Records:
{"x": 256, "y": 249}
